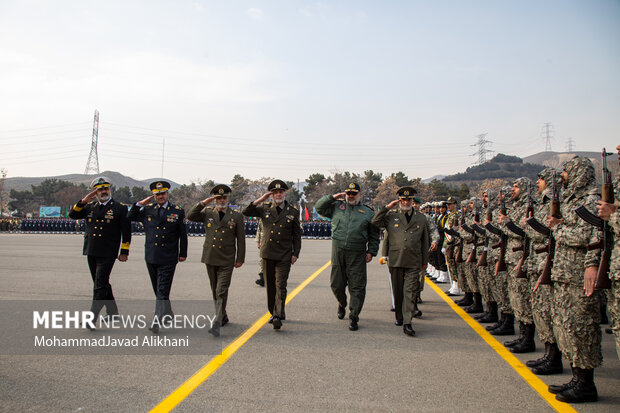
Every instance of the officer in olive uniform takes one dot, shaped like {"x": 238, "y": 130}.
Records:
{"x": 280, "y": 245}
{"x": 355, "y": 240}
{"x": 165, "y": 245}
{"x": 409, "y": 242}
{"x": 224, "y": 247}
{"x": 106, "y": 226}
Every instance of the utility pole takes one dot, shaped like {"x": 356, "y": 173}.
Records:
{"x": 482, "y": 148}
{"x": 92, "y": 165}
{"x": 547, "y": 135}
{"x": 570, "y": 145}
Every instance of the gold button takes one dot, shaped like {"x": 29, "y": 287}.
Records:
{"x": 213, "y": 246}
{"x": 155, "y": 243}
{"x": 156, "y": 235}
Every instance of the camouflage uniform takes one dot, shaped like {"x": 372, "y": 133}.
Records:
{"x": 541, "y": 298}
{"x": 576, "y": 317}
{"x": 613, "y": 295}
{"x": 518, "y": 288}
{"x": 483, "y": 275}
{"x": 460, "y": 266}
{"x": 452, "y": 222}
{"x": 469, "y": 268}
{"x": 500, "y": 280}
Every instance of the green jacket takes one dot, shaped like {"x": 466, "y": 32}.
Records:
{"x": 351, "y": 225}
{"x": 406, "y": 243}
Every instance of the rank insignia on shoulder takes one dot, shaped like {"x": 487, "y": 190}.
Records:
{"x": 177, "y": 207}
{"x": 361, "y": 211}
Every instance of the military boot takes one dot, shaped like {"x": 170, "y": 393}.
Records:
{"x": 491, "y": 315}
{"x": 466, "y": 301}
{"x": 583, "y": 390}
{"x": 539, "y": 361}
{"x": 527, "y": 345}
{"x": 507, "y": 328}
{"x": 553, "y": 363}
{"x": 557, "y": 389}
{"x": 476, "y": 306}
{"x": 517, "y": 340}
{"x": 498, "y": 323}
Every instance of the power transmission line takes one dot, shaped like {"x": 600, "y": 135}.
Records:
{"x": 482, "y": 148}
{"x": 570, "y": 145}
{"x": 547, "y": 135}
{"x": 92, "y": 165}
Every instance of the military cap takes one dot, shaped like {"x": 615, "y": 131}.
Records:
{"x": 406, "y": 192}
{"x": 159, "y": 186}
{"x": 451, "y": 200}
{"x": 221, "y": 190}
{"x": 277, "y": 184}
{"x": 353, "y": 187}
{"x": 100, "y": 182}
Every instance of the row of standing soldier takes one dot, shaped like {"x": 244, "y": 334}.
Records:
{"x": 535, "y": 258}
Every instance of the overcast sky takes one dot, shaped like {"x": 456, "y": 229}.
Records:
{"x": 288, "y": 88}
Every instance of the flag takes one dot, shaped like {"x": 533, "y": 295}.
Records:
{"x": 306, "y": 214}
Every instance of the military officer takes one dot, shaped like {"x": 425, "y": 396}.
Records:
{"x": 165, "y": 244}
{"x": 106, "y": 227}
{"x": 355, "y": 240}
{"x": 452, "y": 223}
{"x": 409, "y": 241}
{"x": 280, "y": 245}
{"x": 223, "y": 249}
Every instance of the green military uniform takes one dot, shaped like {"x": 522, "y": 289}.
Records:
{"x": 224, "y": 246}
{"x": 281, "y": 240}
{"x": 409, "y": 241}
{"x": 353, "y": 236}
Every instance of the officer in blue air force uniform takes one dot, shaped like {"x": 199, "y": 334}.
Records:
{"x": 106, "y": 225}
{"x": 165, "y": 244}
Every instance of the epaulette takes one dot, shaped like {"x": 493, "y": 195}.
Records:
{"x": 295, "y": 207}
{"x": 177, "y": 207}
{"x": 210, "y": 207}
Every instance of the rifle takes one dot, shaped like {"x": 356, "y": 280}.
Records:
{"x": 525, "y": 247}
{"x": 482, "y": 261}
{"x": 545, "y": 277}
{"x": 605, "y": 244}
{"x": 503, "y": 238}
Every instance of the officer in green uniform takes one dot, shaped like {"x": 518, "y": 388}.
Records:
{"x": 355, "y": 240}
{"x": 409, "y": 242}
{"x": 224, "y": 247}
{"x": 280, "y": 245}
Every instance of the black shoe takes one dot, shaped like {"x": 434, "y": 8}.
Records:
{"x": 552, "y": 361}
{"x": 261, "y": 280}
{"x": 527, "y": 345}
{"x": 398, "y": 322}
{"x": 341, "y": 312}
{"x": 225, "y": 321}
{"x": 539, "y": 361}
{"x": 407, "y": 329}
{"x": 420, "y": 300}
{"x": 488, "y": 318}
{"x": 392, "y": 309}
{"x": 514, "y": 342}
{"x": 556, "y": 389}
{"x": 154, "y": 329}
{"x": 583, "y": 391}
{"x": 353, "y": 325}
{"x": 474, "y": 309}
{"x": 417, "y": 314}
{"x": 608, "y": 330}
{"x": 277, "y": 323}
{"x": 507, "y": 327}
{"x": 214, "y": 331}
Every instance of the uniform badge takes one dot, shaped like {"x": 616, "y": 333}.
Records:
{"x": 173, "y": 218}
{"x": 149, "y": 218}
{"x": 209, "y": 225}
{"x": 395, "y": 225}
{"x": 361, "y": 211}
{"x": 232, "y": 223}
{"x": 266, "y": 216}
{"x": 342, "y": 207}
{"x": 290, "y": 217}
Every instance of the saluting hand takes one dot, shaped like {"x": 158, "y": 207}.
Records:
{"x": 146, "y": 200}
{"x": 340, "y": 195}
{"x": 392, "y": 204}
{"x": 263, "y": 198}
{"x": 90, "y": 197}
{"x": 207, "y": 201}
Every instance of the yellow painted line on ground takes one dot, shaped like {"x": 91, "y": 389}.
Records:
{"x": 531, "y": 379}
{"x": 211, "y": 367}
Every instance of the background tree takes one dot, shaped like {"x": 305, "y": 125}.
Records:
{"x": 138, "y": 193}
{"x": 68, "y": 196}
{"x": 123, "y": 194}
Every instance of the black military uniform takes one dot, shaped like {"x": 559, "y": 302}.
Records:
{"x": 281, "y": 240}
{"x": 165, "y": 242}
{"x": 106, "y": 226}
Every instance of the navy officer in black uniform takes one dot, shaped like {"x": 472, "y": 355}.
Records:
{"x": 106, "y": 226}
{"x": 165, "y": 245}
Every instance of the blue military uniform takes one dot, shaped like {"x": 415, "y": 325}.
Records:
{"x": 165, "y": 242}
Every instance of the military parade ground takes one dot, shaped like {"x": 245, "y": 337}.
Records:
{"x": 313, "y": 364}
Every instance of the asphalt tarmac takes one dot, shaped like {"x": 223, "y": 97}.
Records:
{"x": 314, "y": 363}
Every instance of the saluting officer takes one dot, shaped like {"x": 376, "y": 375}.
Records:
{"x": 355, "y": 240}
{"x": 280, "y": 245}
{"x": 224, "y": 247}
{"x": 409, "y": 242}
{"x": 165, "y": 244}
{"x": 106, "y": 226}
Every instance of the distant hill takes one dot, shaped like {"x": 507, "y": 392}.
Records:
{"x": 500, "y": 167}
{"x": 118, "y": 180}
{"x": 557, "y": 159}
{"x": 432, "y": 178}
